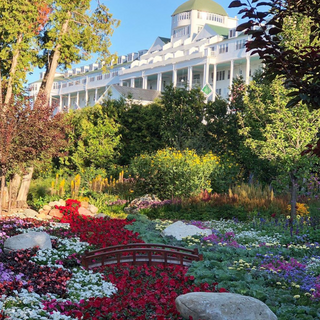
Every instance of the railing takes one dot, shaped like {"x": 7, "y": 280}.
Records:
{"x": 140, "y": 253}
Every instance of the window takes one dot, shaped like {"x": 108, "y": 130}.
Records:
{"x": 232, "y": 33}
{"x": 77, "y": 82}
{"x": 240, "y": 44}
{"x": 64, "y": 85}
{"x": 70, "y": 84}
{"x": 107, "y": 76}
{"x": 91, "y": 79}
{"x": 84, "y": 81}
{"x": 228, "y": 74}
{"x": 210, "y": 16}
{"x": 220, "y": 75}
{"x": 99, "y": 77}
{"x": 218, "y": 92}
{"x": 200, "y": 28}
{"x": 223, "y": 48}
{"x": 183, "y": 16}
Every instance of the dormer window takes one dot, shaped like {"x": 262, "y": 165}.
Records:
{"x": 232, "y": 33}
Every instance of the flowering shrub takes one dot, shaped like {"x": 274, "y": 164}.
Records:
{"x": 302, "y": 209}
{"x": 171, "y": 173}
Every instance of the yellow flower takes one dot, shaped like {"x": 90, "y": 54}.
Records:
{"x": 296, "y": 296}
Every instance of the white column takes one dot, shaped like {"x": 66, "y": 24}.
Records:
{"x": 60, "y": 104}
{"x": 50, "y": 100}
{"x": 77, "y": 100}
{"x": 144, "y": 82}
{"x": 174, "y": 76}
{"x": 69, "y": 102}
{"x": 132, "y": 83}
{"x": 86, "y": 98}
{"x": 159, "y": 82}
{"x": 96, "y": 95}
{"x": 121, "y": 83}
{"x": 231, "y": 73}
{"x": 248, "y": 70}
{"x": 205, "y": 74}
{"x": 214, "y": 85}
{"x": 190, "y": 77}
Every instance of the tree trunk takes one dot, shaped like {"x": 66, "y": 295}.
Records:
{"x": 13, "y": 70}
{"x": 294, "y": 194}
{"x": 24, "y": 188}
{"x": 47, "y": 82}
{"x": 14, "y": 189}
{"x": 3, "y": 180}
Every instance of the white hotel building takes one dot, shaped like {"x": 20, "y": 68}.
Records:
{"x": 203, "y": 50}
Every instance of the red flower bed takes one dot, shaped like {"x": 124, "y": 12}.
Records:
{"x": 143, "y": 293}
{"x": 97, "y": 231}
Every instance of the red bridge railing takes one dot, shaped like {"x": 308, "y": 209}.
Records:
{"x": 140, "y": 253}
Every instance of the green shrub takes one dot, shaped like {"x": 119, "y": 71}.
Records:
{"x": 195, "y": 212}
{"x": 171, "y": 173}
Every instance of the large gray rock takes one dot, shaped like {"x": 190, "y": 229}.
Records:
{"x": 222, "y": 306}
{"x": 181, "y": 230}
{"x": 28, "y": 240}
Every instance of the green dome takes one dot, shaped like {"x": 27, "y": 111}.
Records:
{"x": 201, "y": 5}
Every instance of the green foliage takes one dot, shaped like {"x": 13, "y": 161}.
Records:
{"x": 139, "y": 127}
{"x": 170, "y": 173}
{"x": 93, "y": 139}
{"x": 205, "y": 212}
{"x": 225, "y": 174}
{"x": 183, "y": 113}
{"x": 278, "y": 134}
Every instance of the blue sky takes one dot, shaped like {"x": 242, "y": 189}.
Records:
{"x": 142, "y": 21}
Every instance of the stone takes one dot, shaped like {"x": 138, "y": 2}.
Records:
{"x": 85, "y": 212}
{"x": 85, "y": 204}
{"x": 62, "y": 202}
{"x": 43, "y": 216}
{"x": 27, "y": 241}
{"x": 29, "y": 213}
{"x": 56, "y": 213}
{"x": 222, "y": 306}
{"x": 144, "y": 201}
{"x": 101, "y": 215}
{"x": 181, "y": 230}
{"x": 93, "y": 208}
{"x": 52, "y": 204}
{"x": 46, "y": 207}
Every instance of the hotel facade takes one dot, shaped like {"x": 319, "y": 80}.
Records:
{"x": 204, "y": 50}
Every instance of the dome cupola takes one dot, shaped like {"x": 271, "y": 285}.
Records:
{"x": 201, "y": 5}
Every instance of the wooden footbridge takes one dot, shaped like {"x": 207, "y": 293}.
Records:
{"x": 140, "y": 253}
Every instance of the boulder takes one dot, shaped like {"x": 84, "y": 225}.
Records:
{"x": 181, "y": 230}
{"x": 141, "y": 202}
{"x": 222, "y": 306}
{"x": 85, "y": 212}
{"x": 43, "y": 216}
{"x": 29, "y": 213}
{"x": 85, "y": 204}
{"x": 52, "y": 204}
{"x": 93, "y": 208}
{"x": 28, "y": 240}
{"x": 56, "y": 213}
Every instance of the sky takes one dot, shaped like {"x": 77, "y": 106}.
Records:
{"x": 141, "y": 22}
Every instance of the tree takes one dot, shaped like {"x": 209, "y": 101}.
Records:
{"x": 93, "y": 139}
{"x": 71, "y": 34}
{"x": 279, "y": 134}
{"x": 28, "y": 132}
{"x": 20, "y": 22}
{"x": 286, "y": 35}
{"x": 183, "y": 113}
{"x": 139, "y": 127}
